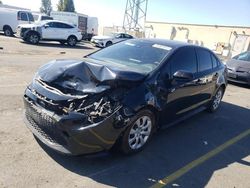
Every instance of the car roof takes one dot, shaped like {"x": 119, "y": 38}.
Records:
{"x": 170, "y": 43}
{"x": 48, "y": 21}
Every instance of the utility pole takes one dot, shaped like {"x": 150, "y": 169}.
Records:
{"x": 135, "y": 15}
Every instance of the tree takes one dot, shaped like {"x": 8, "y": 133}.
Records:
{"x": 1, "y": 2}
{"x": 46, "y": 7}
{"x": 60, "y": 6}
{"x": 69, "y": 6}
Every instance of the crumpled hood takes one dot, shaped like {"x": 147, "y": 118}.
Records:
{"x": 238, "y": 64}
{"x": 79, "y": 77}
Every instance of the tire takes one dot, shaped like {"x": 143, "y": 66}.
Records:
{"x": 216, "y": 100}
{"x": 33, "y": 38}
{"x": 72, "y": 40}
{"x": 8, "y": 31}
{"x": 138, "y": 133}
{"x": 109, "y": 43}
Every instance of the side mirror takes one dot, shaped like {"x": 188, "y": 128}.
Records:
{"x": 183, "y": 75}
{"x": 46, "y": 26}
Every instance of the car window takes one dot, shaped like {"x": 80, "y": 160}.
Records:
{"x": 62, "y": 25}
{"x": 51, "y": 24}
{"x": 214, "y": 61}
{"x": 184, "y": 59}
{"x": 31, "y": 18}
{"x": 204, "y": 59}
{"x": 23, "y": 16}
{"x": 128, "y": 36}
{"x": 138, "y": 56}
{"x": 119, "y": 36}
{"x": 243, "y": 56}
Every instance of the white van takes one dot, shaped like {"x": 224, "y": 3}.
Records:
{"x": 11, "y": 18}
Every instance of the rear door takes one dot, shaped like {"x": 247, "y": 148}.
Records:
{"x": 207, "y": 73}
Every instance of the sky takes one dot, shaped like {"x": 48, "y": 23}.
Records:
{"x": 111, "y": 12}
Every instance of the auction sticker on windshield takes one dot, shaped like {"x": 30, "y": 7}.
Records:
{"x": 162, "y": 47}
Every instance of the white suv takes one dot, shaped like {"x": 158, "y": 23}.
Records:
{"x": 49, "y": 30}
{"x": 105, "y": 41}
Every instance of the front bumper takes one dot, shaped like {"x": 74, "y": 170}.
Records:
{"x": 98, "y": 43}
{"x": 239, "y": 77}
{"x": 66, "y": 134}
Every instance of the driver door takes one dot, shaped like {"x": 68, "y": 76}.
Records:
{"x": 180, "y": 95}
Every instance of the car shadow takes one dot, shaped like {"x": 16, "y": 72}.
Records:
{"x": 239, "y": 85}
{"x": 169, "y": 150}
{"x": 79, "y": 45}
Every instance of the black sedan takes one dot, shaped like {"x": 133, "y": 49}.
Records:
{"x": 121, "y": 95}
{"x": 239, "y": 68}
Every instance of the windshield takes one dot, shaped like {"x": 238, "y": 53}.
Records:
{"x": 243, "y": 56}
{"x": 133, "y": 55}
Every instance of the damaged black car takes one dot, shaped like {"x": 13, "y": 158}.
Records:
{"x": 121, "y": 95}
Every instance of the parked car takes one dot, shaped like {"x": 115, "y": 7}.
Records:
{"x": 105, "y": 41}
{"x": 121, "y": 95}
{"x": 38, "y": 17}
{"x": 11, "y": 18}
{"x": 239, "y": 68}
{"x": 49, "y": 30}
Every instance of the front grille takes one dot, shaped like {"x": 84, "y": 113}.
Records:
{"x": 44, "y": 124}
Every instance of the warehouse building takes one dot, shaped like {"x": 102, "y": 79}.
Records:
{"x": 226, "y": 41}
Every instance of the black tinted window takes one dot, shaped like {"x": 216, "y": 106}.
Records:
{"x": 204, "y": 58}
{"x": 31, "y": 18}
{"x": 215, "y": 61}
{"x": 62, "y": 25}
{"x": 184, "y": 59}
{"x": 24, "y": 16}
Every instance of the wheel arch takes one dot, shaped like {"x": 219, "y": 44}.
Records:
{"x": 32, "y": 31}
{"x": 72, "y": 36}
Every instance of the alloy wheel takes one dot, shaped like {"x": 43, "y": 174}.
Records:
{"x": 33, "y": 39}
{"x": 217, "y": 99}
{"x": 140, "y": 132}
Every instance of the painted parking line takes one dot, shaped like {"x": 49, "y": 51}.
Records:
{"x": 177, "y": 174}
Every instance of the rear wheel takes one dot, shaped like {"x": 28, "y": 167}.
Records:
{"x": 139, "y": 132}
{"x": 33, "y": 38}
{"x": 216, "y": 100}
{"x": 8, "y": 31}
{"x": 72, "y": 41}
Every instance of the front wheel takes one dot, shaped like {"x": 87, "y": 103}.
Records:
{"x": 33, "y": 38}
{"x": 216, "y": 100}
{"x": 138, "y": 133}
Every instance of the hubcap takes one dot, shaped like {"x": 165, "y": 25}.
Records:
{"x": 72, "y": 41}
{"x": 7, "y": 32}
{"x": 217, "y": 99}
{"x": 34, "y": 39}
{"x": 140, "y": 132}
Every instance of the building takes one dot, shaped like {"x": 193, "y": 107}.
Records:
{"x": 226, "y": 41}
